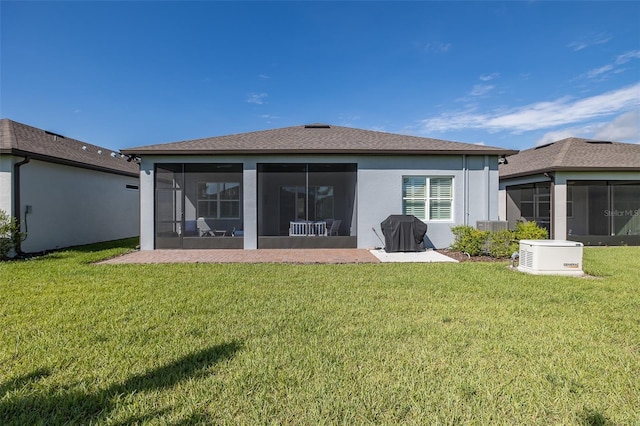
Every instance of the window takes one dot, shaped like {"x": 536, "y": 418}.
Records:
{"x": 219, "y": 200}
{"x": 428, "y": 198}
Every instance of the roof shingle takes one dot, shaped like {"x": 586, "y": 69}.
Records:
{"x": 21, "y": 139}
{"x": 573, "y": 154}
{"x": 317, "y": 139}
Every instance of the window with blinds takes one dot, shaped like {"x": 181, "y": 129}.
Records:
{"x": 428, "y": 198}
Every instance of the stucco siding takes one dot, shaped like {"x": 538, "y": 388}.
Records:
{"x": 475, "y": 197}
{"x": 379, "y": 190}
{"x": 72, "y": 206}
{"x": 6, "y": 183}
{"x": 147, "y": 208}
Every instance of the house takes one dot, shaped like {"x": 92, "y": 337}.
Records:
{"x": 582, "y": 190}
{"x": 65, "y": 192}
{"x": 310, "y": 186}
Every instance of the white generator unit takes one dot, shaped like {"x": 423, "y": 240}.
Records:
{"x": 551, "y": 257}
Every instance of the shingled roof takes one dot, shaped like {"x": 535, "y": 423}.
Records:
{"x": 317, "y": 139}
{"x": 573, "y": 154}
{"x": 22, "y": 140}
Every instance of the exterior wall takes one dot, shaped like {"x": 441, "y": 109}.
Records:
{"x": 147, "y": 209}
{"x": 379, "y": 191}
{"x": 475, "y": 193}
{"x": 74, "y": 206}
{"x": 6, "y": 183}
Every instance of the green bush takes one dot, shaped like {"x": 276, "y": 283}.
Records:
{"x": 467, "y": 239}
{"x": 498, "y": 244}
{"x": 10, "y": 235}
{"x": 502, "y": 243}
{"x": 530, "y": 231}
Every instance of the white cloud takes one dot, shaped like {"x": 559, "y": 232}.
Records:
{"x": 263, "y": 77}
{"x": 620, "y": 60}
{"x": 577, "y": 45}
{"x": 481, "y": 89}
{"x": 625, "y": 127}
{"x": 256, "y": 98}
{"x": 601, "y": 38}
{"x": 268, "y": 116}
{"x": 436, "y": 47}
{"x": 561, "y": 134}
{"x": 489, "y": 77}
{"x": 626, "y": 57}
{"x": 540, "y": 115}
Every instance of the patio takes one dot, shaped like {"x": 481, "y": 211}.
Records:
{"x": 334, "y": 256}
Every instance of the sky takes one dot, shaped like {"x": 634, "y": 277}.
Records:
{"x": 514, "y": 74}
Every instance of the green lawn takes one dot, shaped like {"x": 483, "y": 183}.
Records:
{"x": 469, "y": 343}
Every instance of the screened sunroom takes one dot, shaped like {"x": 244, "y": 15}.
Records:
{"x": 307, "y": 205}
{"x": 198, "y": 205}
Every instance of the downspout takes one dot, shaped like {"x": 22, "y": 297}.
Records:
{"x": 16, "y": 199}
{"x": 465, "y": 195}
{"x": 487, "y": 186}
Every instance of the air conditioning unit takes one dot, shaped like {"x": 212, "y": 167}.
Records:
{"x": 551, "y": 257}
{"x": 491, "y": 225}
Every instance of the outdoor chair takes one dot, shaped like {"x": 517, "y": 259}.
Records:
{"x": 204, "y": 230}
{"x": 335, "y": 227}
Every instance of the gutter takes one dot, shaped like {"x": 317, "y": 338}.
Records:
{"x": 16, "y": 199}
{"x": 72, "y": 163}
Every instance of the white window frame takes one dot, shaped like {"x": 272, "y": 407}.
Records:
{"x": 427, "y": 198}
{"x": 217, "y": 200}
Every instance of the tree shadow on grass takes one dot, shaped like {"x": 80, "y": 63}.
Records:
{"x": 71, "y": 407}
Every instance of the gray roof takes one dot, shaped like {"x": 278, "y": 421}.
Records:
{"x": 317, "y": 139}
{"x": 22, "y": 140}
{"x": 573, "y": 154}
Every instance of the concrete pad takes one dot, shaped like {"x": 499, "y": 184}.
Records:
{"x": 428, "y": 256}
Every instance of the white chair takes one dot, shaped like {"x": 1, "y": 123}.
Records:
{"x": 320, "y": 228}
{"x": 298, "y": 228}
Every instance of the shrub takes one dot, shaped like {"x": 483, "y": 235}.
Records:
{"x": 498, "y": 244}
{"x": 467, "y": 239}
{"x": 530, "y": 231}
{"x": 10, "y": 235}
{"x": 502, "y": 243}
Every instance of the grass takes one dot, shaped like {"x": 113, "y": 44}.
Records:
{"x": 469, "y": 343}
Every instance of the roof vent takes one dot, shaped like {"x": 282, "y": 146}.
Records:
{"x": 84, "y": 147}
{"x": 602, "y": 142}
{"x": 317, "y": 126}
{"x": 55, "y": 135}
{"x": 544, "y": 146}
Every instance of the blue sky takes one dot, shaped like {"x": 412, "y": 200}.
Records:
{"x": 512, "y": 74}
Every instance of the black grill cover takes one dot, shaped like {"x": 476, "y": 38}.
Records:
{"x": 403, "y": 233}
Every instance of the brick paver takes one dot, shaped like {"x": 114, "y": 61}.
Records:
{"x": 247, "y": 256}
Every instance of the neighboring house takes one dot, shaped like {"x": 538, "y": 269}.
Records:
{"x": 582, "y": 190}
{"x": 313, "y": 186}
{"x": 63, "y": 191}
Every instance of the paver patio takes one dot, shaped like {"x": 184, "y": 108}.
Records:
{"x": 276, "y": 256}
{"x": 247, "y": 256}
